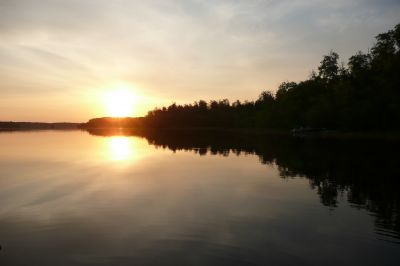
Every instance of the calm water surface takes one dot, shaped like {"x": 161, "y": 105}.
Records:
{"x": 74, "y": 198}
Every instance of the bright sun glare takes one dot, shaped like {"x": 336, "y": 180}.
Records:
{"x": 120, "y": 148}
{"x": 120, "y": 102}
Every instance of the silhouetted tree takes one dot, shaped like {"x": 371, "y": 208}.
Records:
{"x": 329, "y": 66}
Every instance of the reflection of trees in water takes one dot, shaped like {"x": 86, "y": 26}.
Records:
{"x": 366, "y": 171}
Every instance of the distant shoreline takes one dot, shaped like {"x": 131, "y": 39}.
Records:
{"x": 16, "y": 126}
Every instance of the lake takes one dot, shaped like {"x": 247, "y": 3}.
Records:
{"x": 196, "y": 198}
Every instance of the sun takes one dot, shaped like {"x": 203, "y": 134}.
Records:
{"x": 120, "y": 102}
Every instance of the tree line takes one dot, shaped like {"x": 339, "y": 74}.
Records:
{"x": 362, "y": 95}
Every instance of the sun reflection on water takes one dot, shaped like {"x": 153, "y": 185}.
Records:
{"x": 120, "y": 148}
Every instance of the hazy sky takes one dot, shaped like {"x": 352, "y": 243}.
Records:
{"x": 58, "y": 58}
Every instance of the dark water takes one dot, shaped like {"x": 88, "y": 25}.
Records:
{"x": 196, "y": 198}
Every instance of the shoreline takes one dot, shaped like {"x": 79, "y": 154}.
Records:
{"x": 328, "y": 134}
{"x": 110, "y": 131}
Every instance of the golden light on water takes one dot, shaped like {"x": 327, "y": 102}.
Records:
{"x": 120, "y": 148}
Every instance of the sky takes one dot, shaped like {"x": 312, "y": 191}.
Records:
{"x": 61, "y": 60}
